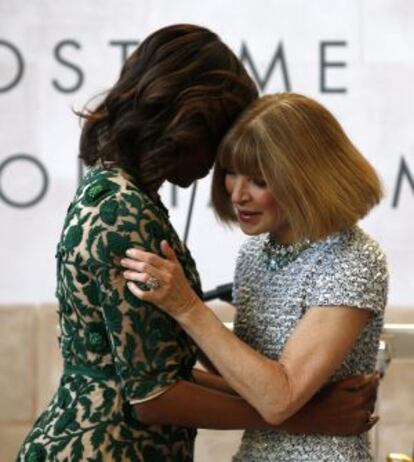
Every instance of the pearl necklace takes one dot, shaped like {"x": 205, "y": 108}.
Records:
{"x": 279, "y": 255}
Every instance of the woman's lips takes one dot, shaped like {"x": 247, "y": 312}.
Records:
{"x": 248, "y": 217}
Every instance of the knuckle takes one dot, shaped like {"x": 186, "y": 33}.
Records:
{"x": 135, "y": 265}
{"x": 131, "y": 253}
{"x": 131, "y": 276}
{"x": 151, "y": 259}
{"x": 168, "y": 279}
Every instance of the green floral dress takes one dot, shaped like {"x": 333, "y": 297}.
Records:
{"x": 116, "y": 348}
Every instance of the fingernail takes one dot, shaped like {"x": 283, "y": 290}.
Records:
{"x": 129, "y": 252}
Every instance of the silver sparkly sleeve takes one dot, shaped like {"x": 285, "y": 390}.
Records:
{"x": 353, "y": 273}
{"x": 238, "y": 271}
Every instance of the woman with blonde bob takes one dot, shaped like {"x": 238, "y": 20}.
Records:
{"x": 310, "y": 285}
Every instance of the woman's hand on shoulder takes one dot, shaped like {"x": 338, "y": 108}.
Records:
{"x": 168, "y": 286}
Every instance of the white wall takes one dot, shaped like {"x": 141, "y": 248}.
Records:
{"x": 66, "y": 57}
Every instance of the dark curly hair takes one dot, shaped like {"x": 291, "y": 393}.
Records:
{"x": 182, "y": 87}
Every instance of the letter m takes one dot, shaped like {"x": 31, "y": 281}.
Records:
{"x": 402, "y": 172}
{"x": 278, "y": 56}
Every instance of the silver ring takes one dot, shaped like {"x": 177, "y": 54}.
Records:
{"x": 153, "y": 283}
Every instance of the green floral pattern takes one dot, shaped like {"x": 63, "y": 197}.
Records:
{"x": 116, "y": 348}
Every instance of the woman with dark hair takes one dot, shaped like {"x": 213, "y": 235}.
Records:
{"x": 310, "y": 285}
{"x": 129, "y": 391}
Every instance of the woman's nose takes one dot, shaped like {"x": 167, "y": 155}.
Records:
{"x": 239, "y": 193}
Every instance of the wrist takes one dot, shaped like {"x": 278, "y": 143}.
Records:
{"x": 188, "y": 314}
{"x": 200, "y": 322}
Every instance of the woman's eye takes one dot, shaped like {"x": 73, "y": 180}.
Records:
{"x": 260, "y": 182}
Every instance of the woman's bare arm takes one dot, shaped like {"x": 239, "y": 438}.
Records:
{"x": 276, "y": 389}
{"x": 340, "y": 409}
{"x": 191, "y": 405}
{"x": 214, "y": 381}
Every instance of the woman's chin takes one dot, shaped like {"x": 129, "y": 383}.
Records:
{"x": 249, "y": 230}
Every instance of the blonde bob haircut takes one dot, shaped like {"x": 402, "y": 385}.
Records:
{"x": 319, "y": 178}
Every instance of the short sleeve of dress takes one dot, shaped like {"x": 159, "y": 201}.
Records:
{"x": 351, "y": 273}
{"x": 243, "y": 262}
{"x": 149, "y": 349}
{"x": 236, "y": 281}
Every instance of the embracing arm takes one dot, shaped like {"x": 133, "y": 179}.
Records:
{"x": 339, "y": 409}
{"x": 213, "y": 381}
{"x": 276, "y": 389}
{"x": 192, "y": 405}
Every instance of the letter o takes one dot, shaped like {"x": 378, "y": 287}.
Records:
{"x": 41, "y": 168}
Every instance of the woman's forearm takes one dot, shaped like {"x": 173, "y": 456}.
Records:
{"x": 191, "y": 405}
{"x": 213, "y": 381}
{"x": 205, "y": 362}
{"x": 235, "y": 361}
{"x": 336, "y": 411}
{"x": 277, "y": 389}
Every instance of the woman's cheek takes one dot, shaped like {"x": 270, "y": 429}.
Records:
{"x": 229, "y": 183}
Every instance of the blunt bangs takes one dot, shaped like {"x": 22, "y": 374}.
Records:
{"x": 239, "y": 153}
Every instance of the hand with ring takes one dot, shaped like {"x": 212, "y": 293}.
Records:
{"x": 153, "y": 283}
{"x": 169, "y": 287}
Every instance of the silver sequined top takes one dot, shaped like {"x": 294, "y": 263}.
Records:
{"x": 347, "y": 268}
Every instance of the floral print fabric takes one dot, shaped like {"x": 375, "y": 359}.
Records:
{"x": 116, "y": 348}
